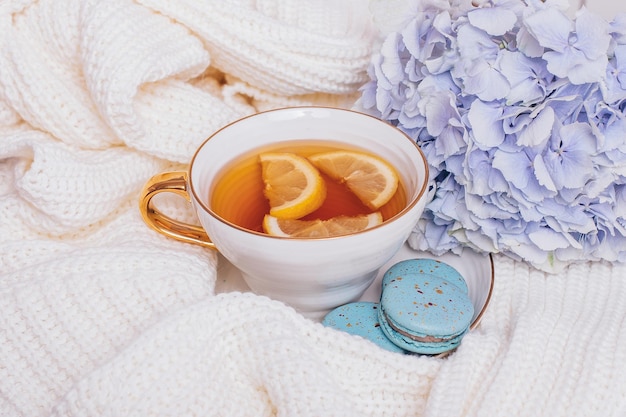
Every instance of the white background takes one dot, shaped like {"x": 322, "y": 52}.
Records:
{"x": 605, "y": 8}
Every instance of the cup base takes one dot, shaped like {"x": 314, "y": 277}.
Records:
{"x": 314, "y": 302}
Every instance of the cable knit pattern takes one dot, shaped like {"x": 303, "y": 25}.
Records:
{"x": 101, "y": 316}
{"x": 281, "y": 45}
{"x": 562, "y": 335}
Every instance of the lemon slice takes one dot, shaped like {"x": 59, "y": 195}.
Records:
{"x": 336, "y": 226}
{"x": 293, "y": 186}
{"x": 369, "y": 177}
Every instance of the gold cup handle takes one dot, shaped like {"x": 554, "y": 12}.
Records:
{"x": 173, "y": 182}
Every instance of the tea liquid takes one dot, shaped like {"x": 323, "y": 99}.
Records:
{"x": 237, "y": 194}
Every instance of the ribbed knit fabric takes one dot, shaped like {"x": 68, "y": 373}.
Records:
{"x": 101, "y": 316}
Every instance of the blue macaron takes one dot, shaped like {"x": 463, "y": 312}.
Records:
{"x": 424, "y": 313}
{"x": 424, "y": 266}
{"x": 361, "y": 319}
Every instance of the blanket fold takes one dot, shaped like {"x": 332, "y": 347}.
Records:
{"x": 101, "y": 316}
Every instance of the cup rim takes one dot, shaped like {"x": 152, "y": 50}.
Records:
{"x": 208, "y": 210}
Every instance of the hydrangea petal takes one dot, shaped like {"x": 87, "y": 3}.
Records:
{"x": 439, "y": 109}
{"x": 617, "y": 28}
{"x": 575, "y": 66}
{"x": 485, "y": 179}
{"x": 520, "y": 245}
{"x": 514, "y": 167}
{"x": 392, "y": 66}
{"x": 542, "y": 174}
{"x": 548, "y": 240}
{"x": 411, "y": 36}
{"x": 579, "y": 55}
{"x": 551, "y": 28}
{"x": 568, "y": 160}
{"x": 488, "y": 84}
{"x": 620, "y": 58}
{"x": 526, "y": 77}
{"x": 493, "y": 20}
{"x": 486, "y": 124}
{"x": 528, "y": 44}
{"x": 539, "y": 130}
{"x": 592, "y": 34}
{"x": 477, "y": 65}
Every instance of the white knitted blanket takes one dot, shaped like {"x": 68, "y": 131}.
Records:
{"x": 100, "y": 316}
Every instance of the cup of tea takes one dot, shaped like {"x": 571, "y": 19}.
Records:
{"x": 313, "y": 274}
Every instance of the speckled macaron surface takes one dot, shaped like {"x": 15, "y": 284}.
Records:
{"x": 427, "y": 267}
{"x": 361, "y": 319}
{"x": 424, "y": 313}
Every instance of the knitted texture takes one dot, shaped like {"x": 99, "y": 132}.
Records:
{"x": 101, "y": 316}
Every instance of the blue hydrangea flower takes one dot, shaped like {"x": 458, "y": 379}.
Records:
{"x": 528, "y": 78}
{"x": 614, "y": 90}
{"x": 477, "y": 67}
{"x": 521, "y": 113}
{"x": 574, "y": 50}
{"x": 568, "y": 157}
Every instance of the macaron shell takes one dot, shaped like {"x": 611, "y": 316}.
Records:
{"x": 425, "y": 266}
{"x": 360, "y": 319}
{"x": 425, "y": 305}
{"x": 410, "y": 345}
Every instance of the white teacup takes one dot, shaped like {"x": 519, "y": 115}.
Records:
{"x": 313, "y": 275}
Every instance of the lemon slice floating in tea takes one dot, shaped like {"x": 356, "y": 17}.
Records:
{"x": 293, "y": 186}
{"x": 369, "y": 177}
{"x": 336, "y": 226}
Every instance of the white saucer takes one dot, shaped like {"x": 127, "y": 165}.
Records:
{"x": 477, "y": 269}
